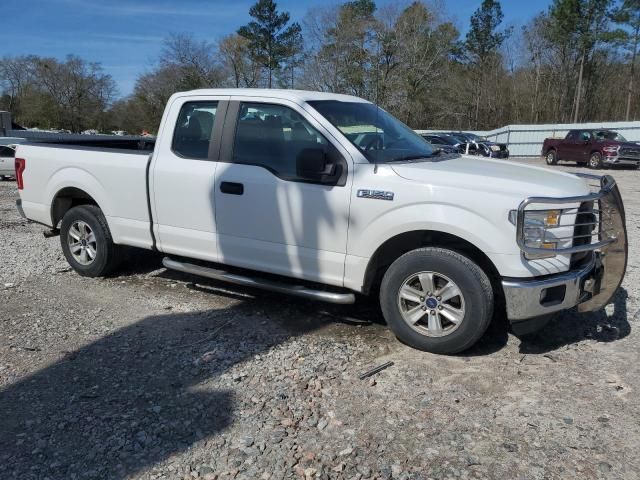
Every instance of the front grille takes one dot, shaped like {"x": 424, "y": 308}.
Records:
{"x": 629, "y": 152}
{"x": 581, "y": 230}
{"x": 586, "y": 224}
{"x": 592, "y": 223}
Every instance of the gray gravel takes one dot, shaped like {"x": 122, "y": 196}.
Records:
{"x": 152, "y": 374}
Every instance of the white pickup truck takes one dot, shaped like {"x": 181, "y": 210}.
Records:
{"x": 327, "y": 196}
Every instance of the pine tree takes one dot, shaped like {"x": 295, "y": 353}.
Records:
{"x": 628, "y": 16}
{"x": 270, "y": 36}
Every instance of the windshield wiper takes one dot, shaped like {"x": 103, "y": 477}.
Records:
{"x": 415, "y": 157}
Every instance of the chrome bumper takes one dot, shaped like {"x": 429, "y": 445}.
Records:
{"x": 590, "y": 287}
{"x": 616, "y": 160}
{"x": 539, "y": 296}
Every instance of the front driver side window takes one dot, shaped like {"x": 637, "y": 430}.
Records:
{"x": 274, "y": 136}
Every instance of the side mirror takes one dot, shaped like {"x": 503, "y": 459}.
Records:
{"x": 313, "y": 165}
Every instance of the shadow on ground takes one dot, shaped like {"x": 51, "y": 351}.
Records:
{"x": 572, "y": 327}
{"x": 130, "y": 399}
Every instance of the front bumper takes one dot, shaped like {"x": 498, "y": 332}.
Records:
{"x": 590, "y": 286}
{"x": 499, "y": 154}
{"x": 540, "y": 296}
{"x": 616, "y": 160}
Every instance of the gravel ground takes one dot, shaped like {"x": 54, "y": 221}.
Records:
{"x": 152, "y": 374}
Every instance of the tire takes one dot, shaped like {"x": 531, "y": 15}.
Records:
{"x": 84, "y": 230}
{"x": 551, "y": 157}
{"x": 595, "y": 161}
{"x": 438, "y": 267}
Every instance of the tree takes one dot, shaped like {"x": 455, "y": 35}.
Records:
{"x": 79, "y": 91}
{"x": 412, "y": 57}
{"x": 16, "y": 76}
{"x": 483, "y": 38}
{"x": 580, "y": 26}
{"x": 628, "y": 16}
{"x": 482, "y": 44}
{"x": 294, "y": 54}
{"x": 270, "y": 36}
{"x": 195, "y": 60}
{"x": 237, "y": 61}
{"x": 344, "y": 49}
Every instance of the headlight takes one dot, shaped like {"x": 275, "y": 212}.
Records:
{"x": 535, "y": 226}
{"x": 610, "y": 149}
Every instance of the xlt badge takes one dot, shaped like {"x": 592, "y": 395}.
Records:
{"x": 375, "y": 194}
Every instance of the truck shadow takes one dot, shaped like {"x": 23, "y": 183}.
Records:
{"x": 137, "y": 396}
{"x": 572, "y": 327}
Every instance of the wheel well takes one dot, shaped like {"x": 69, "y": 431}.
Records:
{"x": 66, "y": 199}
{"x": 397, "y": 246}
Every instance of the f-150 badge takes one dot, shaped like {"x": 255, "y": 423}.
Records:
{"x": 375, "y": 194}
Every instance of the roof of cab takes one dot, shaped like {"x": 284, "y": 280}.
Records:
{"x": 294, "y": 95}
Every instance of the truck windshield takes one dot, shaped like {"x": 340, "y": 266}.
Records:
{"x": 378, "y": 135}
{"x": 608, "y": 135}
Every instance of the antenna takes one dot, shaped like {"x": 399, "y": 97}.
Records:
{"x": 375, "y": 162}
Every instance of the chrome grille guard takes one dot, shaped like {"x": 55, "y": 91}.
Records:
{"x": 611, "y": 244}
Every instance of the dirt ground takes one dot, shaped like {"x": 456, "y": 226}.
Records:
{"x": 151, "y": 374}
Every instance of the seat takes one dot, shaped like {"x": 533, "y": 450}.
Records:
{"x": 189, "y": 142}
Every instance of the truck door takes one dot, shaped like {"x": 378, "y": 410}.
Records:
{"x": 182, "y": 176}
{"x": 584, "y": 146}
{"x": 569, "y": 148}
{"x": 574, "y": 146}
{"x": 269, "y": 217}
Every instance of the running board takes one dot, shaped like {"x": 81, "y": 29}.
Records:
{"x": 264, "y": 284}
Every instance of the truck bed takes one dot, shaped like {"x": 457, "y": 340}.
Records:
{"x": 115, "y": 178}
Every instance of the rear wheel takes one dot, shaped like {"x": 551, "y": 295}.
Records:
{"x": 595, "y": 161}
{"x": 551, "y": 157}
{"x": 436, "y": 300}
{"x": 87, "y": 243}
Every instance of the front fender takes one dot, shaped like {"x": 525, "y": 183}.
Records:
{"x": 445, "y": 218}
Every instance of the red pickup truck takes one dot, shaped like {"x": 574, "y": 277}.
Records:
{"x": 596, "y": 148}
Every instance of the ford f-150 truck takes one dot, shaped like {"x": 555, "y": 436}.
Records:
{"x": 596, "y": 148}
{"x": 327, "y": 196}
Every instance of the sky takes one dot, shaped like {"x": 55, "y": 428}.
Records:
{"x": 125, "y": 36}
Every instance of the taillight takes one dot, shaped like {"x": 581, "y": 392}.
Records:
{"x": 21, "y": 163}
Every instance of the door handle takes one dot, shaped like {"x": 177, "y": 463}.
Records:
{"x": 232, "y": 188}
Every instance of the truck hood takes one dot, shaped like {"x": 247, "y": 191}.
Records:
{"x": 495, "y": 176}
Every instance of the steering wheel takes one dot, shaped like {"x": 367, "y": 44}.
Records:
{"x": 376, "y": 142}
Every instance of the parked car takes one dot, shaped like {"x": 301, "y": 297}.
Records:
{"x": 446, "y": 143}
{"x": 7, "y": 155}
{"x": 326, "y": 196}
{"x": 596, "y": 148}
{"x": 481, "y": 146}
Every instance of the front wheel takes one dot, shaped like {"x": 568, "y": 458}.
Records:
{"x": 436, "y": 300}
{"x": 595, "y": 161}
{"x": 87, "y": 243}
{"x": 551, "y": 157}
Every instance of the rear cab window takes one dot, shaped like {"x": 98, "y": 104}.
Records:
{"x": 193, "y": 131}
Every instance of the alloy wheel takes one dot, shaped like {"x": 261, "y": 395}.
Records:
{"x": 431, "y": 304}
{"x": 82, "y": 242}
